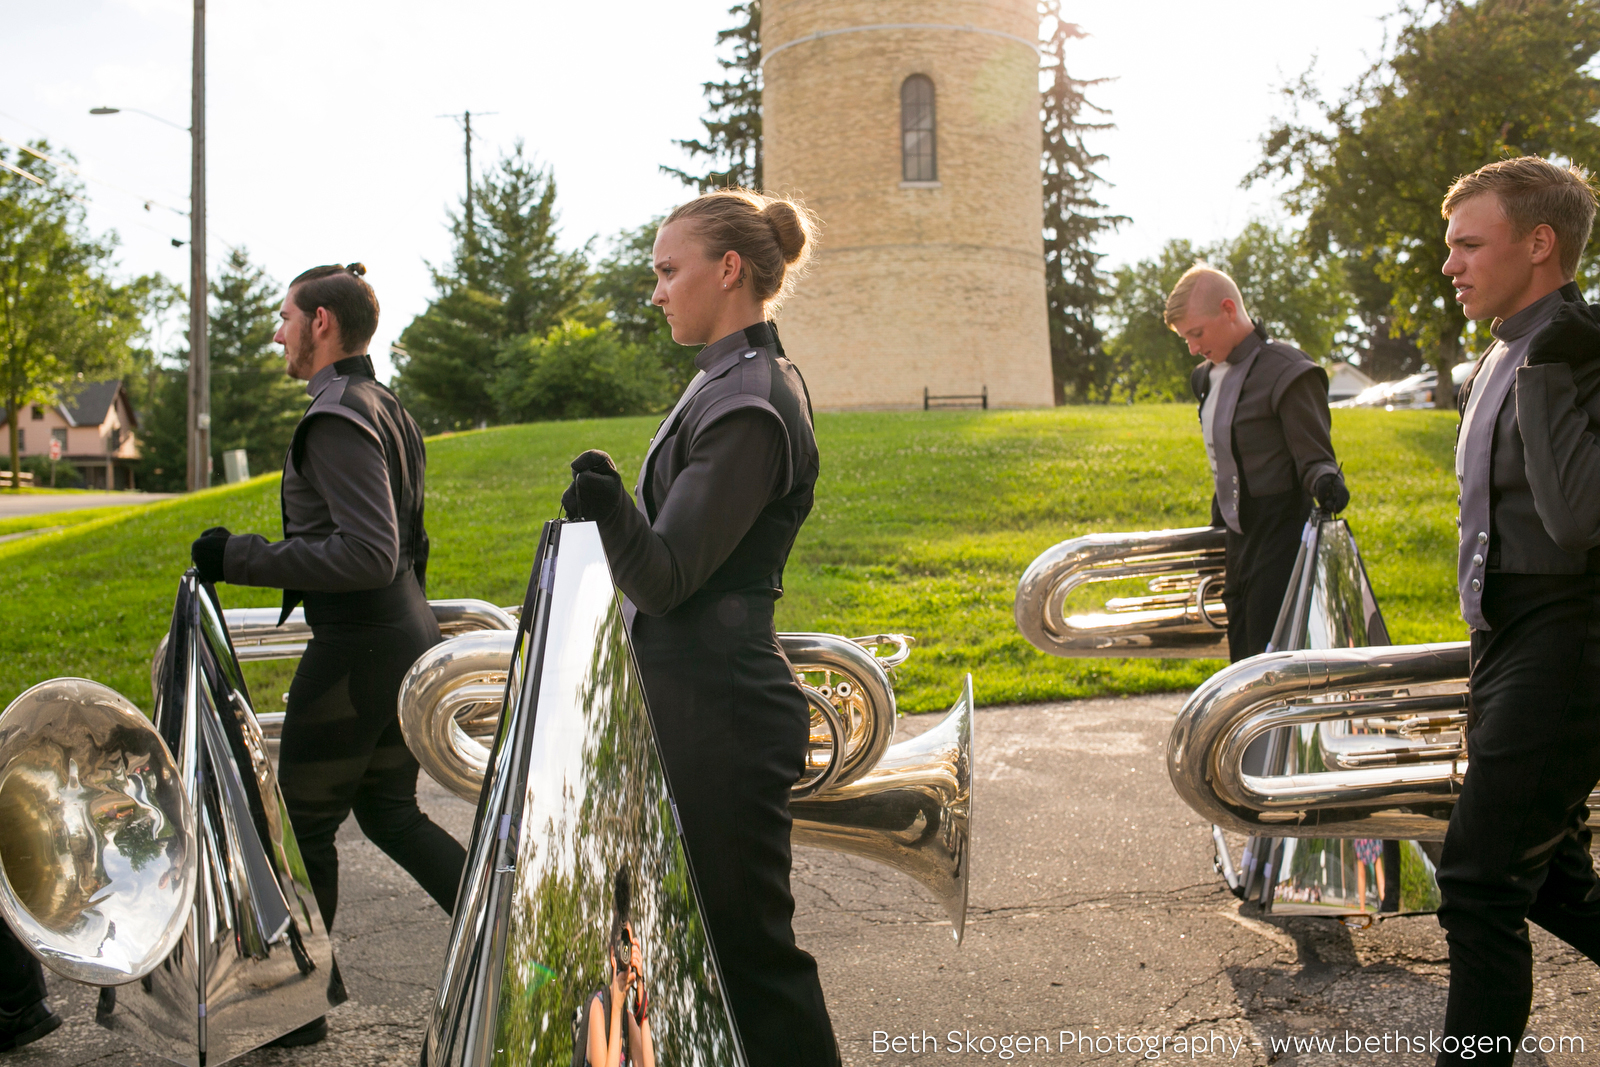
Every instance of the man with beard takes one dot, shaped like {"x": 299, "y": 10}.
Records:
{"x": 355, "y": 552}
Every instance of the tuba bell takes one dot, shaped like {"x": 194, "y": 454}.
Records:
{"x": 1181, "y": 615}
{"x": 152, "y": 858}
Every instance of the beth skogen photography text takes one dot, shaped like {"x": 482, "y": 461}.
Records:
{"x": 780, "y": 532}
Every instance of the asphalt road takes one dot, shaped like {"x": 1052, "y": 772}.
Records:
{"x": 1094, "y": 910}
{"x": 12, "y": 505}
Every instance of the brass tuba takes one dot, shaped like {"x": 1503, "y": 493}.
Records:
{"x": 1180, "y": 617}
{"x": 907, "y": 806}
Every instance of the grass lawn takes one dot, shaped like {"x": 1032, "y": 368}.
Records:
{"x": 48, "y": 519}
{"x": 923, "y": 523}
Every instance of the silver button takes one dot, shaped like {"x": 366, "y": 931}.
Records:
{"x": 1235, "y": 479}
{"x": 1476, "y": 585}
{"x": 1483, "y": 538}
{"x": 1477, "y": 561}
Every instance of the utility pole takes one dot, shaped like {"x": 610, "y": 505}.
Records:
{"x": 199, "y": 347}
{"x": 466, "y": 125}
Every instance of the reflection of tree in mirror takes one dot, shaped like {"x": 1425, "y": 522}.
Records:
{"x": 136, "y": 841}
{"x": 615, "y": 811}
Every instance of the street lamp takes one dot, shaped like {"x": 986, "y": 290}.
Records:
{"x": 199, "y": 422}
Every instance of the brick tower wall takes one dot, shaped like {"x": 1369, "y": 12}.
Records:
{"x": 914, "y": 286}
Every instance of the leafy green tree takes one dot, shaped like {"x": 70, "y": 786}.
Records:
{"x": 577, "y": 372}
{"x": 1073, "y": 218}
{"x": 1148, "y": 360}
{"x": 508, "y": 279}
{"x": 732, "y": 141}
{"x": 1464, "y": 84}
{"x": 60, "y": 314}
{"x": 1299, "y": 296}
{"x": 624, "y": 282}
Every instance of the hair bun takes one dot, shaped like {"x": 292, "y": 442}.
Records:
{"x": 786, "y": 224}
{"x": 358, "y": 269}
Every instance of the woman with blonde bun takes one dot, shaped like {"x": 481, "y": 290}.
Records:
{"x": 699, "y": 555}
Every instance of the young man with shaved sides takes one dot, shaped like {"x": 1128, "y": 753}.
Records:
{"x": 1528, "y": 566}
{"x": 1264, "y": 418}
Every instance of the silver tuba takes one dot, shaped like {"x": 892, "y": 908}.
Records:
{"x": 1179, "y": 616}
{"x": 1382, "y": 751}
{"x": 907, "y": 806}
{"x": 574, "y": 799}
{"x": 153, "y": 859}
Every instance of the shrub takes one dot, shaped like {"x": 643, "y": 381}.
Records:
{"x": 576, "y": 372}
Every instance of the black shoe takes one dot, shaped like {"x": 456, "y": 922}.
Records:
{"x": 18, "y": 1028}
{"x": 312, "y": 1032}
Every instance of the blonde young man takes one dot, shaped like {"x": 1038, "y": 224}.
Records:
{"x": 1264, "y": 417}
{"x": 1528, "y": 467}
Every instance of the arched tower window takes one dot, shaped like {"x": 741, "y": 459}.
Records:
{"x": 919, "y": 161}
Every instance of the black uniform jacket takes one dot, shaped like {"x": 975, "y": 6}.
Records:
{"x": 726, "y": 484}
{"x": 1274, "y": 403}
{"x": 352, "y": 501}
{"x": 1546, "y": 467}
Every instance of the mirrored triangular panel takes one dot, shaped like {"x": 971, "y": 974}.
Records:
{"x": 255, "y": 961}
{"x": 574, "y": 793}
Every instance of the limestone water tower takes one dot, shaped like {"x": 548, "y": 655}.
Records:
{"x": 911, "y": 127}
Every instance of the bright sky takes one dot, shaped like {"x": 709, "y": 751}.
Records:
{"x": 324, "y": 143}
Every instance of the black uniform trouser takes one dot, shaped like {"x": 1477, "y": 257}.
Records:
{"x": 342, "y": 752}
{"x": 733, "y": 728}
{"x": 21, "y": 977}
{"x": 1259, "y": 563}
{"x": 1518, "y": 847}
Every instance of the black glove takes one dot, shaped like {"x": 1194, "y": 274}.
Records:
{"x": 1572, "y": 336}
{"x": 208, "y": 552}
{"x": 1331, "y": 494}
{"x": 596, "y": 489}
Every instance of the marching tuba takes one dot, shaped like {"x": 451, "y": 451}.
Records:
{"x": 573, "y": 796}
{"x": 1181, "y": 615}
{"x": 153, "y": 859}
{"x": 905, "y": 805}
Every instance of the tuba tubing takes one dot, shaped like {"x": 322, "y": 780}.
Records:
{"x": 1179, "y": 618}
{"x": 1400, "y": 781}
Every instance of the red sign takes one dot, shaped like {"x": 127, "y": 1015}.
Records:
{"x": 55, "y": 449}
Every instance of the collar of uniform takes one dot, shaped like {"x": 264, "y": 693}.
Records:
{"x": 349, "y": 366}
{"x": 1529, "y": 318}
{"x": 722, "y": 350}
{"x": 1251, "y": 342}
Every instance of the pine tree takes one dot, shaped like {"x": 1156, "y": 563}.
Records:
{"x": 1073, "y": 218}
{"x": 254, "y": 403}
{"x": 733, "y": 125}
{"x": 507, "y": 280}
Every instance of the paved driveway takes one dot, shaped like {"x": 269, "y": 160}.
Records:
{"x": 1094, "y": 911}
{"x": 13, "y": 504}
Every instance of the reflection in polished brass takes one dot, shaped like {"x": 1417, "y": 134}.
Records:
{"x": 96, "y": 833}
{"x": 254, "y": 960}
{"x": 913, "y": 812}
{"x": 915, "y": 819}
{"x": 909, "y": 809}
{"x": 1182, "y": 616}
{"x": 574, "y": 790}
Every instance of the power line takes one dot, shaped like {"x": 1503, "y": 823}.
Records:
{"x": 68, "y": 167}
